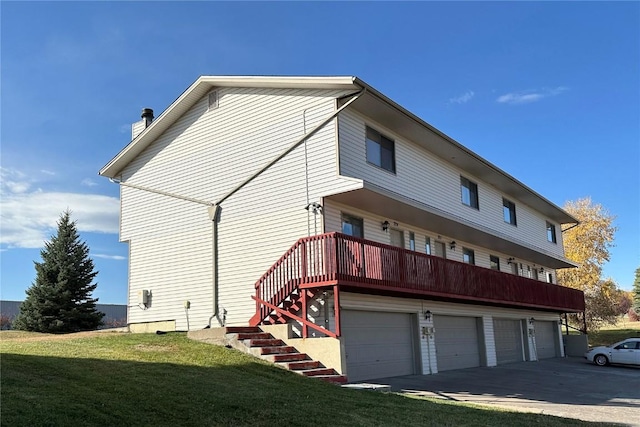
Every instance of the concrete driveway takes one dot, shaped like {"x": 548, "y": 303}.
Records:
{"x": 568, "y": 387}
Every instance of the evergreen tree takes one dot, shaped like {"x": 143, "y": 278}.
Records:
{"x": 60, "y": 298}
{"x": 636, "y": 293}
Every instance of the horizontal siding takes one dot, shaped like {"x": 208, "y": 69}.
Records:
{"x": 429, "y": 179}
{"x": 204, "y": 155}
{"x": 373, "y": 231}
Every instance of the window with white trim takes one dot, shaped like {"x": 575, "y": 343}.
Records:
{"x": 509, "y": 212}
{"x": 469, "y": 193}
{"x": 551, "y": 233}
{"x": 381, "y": 150}
{"x": 468, "y": 256}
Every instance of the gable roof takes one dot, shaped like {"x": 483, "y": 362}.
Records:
{"x": 372, "y": 104}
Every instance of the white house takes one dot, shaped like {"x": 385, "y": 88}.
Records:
{"x": 319, "y": 203}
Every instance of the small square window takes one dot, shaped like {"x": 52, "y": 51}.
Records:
{"x": 468, "y": 256}
{"x": 213, "y": 100}
{"x": 469, "y": 192}
{"x": 380, "y": 150}
{"x": 494, "y": 262}
{"x": 509, "y": 212}
{"x": 551, "y": 233}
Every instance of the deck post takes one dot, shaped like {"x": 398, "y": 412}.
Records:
{"x": 303, "y": 299}
{"x": 336, "y": 308}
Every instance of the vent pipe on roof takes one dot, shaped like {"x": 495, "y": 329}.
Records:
{"x": 147, "y": 116}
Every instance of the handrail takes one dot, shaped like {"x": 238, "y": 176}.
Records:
{"x": 335, "y": 258}
{"x": 297, "y": 318}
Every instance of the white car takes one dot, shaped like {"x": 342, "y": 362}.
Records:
{"x": 625, "y": 352}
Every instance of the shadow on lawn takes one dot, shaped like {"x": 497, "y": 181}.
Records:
{"x": 58, "y": 391}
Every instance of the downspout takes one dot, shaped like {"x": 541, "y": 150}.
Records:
{"x": 214, "y": 208}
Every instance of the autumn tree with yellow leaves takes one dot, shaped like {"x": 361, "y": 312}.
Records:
{"x": 588, "y": 246}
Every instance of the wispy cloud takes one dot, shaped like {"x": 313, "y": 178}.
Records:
{"x": 114, "y": 257}
{"x": 88, "y": 182}
{"x": 462, "y": 99}
{"x": 47, "y": 172}
{"x": 529, "y": 96}
{"x": 30, "y": 217}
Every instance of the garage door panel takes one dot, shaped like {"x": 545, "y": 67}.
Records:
{"x": 378, "y": 344}
{"x": 457, "y": 344}
{"x": 545, "y": 339}
{"x": 507, "y": 335}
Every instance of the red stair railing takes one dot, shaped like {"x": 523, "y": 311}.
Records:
{"x": 334, "y": 259}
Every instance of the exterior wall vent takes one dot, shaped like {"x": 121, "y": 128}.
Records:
{"x": 213, "y": 100}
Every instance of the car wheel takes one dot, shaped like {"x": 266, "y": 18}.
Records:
{"x": 601, "y": 360}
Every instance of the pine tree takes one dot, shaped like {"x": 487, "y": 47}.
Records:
{"x": 636, "y": 292}
{"x": 60, "y": 298}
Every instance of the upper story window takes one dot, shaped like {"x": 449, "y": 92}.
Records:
{"x": 494, "y": 262}
{"x": 551, "y": 233}
{"x": 468, "y": 256}
{"x": 509, "y": 212}
{"x": 412, "y": 241}
{"x": 381, "y": 150}
{"x": 427, "y": 246}
{"x": 352, "y": 226}
{"x": 469, "y": 191}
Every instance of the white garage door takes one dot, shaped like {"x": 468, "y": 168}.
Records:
{"x": 378, "y": 344}
{"x": 546, "y": 339}
{"x": 456, "y": 342}
{"x": 508, "y": 338}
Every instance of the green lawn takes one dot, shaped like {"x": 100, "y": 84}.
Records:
{"x": 613, "y": 334}
{"x": 111, "y": 379}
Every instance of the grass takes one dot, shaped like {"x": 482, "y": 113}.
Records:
{"x": 109, "y": 379}
{"x": 612, "y": 334}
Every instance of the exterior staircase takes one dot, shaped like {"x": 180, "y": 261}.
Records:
{"x": 254, "y": 341}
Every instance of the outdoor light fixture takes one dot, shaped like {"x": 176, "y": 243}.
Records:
{"x": 314, "y": 207}
{"x": 385, "y": 225}
{"x": 541, "y": 270}
{"x": 531, "y": 321}
{"x": 510, "y": 260}
{"x": 452, "y": 245}
{"x": 427, "y": 315}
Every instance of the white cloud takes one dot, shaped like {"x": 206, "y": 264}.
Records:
{"x": 28, "y": 219}
{"x": 529, "y": 96}
{"x": 462, "y": 99}
{"x": 114, "y": 257}
{"x": 88, "y": 182}
{"x": 47, "y": 172}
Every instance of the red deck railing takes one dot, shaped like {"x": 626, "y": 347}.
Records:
{"x": 367, "y": 266}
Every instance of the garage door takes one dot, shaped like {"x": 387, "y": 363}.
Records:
{"x": 378, "y": 344}
{"x": 508, "y": 338}
{"x": 546, "y": 339}
{"x": 456, "y": 342}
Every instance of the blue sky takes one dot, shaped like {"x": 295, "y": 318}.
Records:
{"x": 549, "y": 92}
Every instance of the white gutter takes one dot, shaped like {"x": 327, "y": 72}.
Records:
{"x": 214, "y": 208}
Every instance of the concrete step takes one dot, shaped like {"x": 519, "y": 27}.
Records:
{"x": 288, "y": 357}
{"x": 271, "y": 342}
{"x": 302, "y": 365}
{"x": 253, "y": 336}
{"x": 318, "y": 371}
{"x": 277, "y": 350}
{"x": 242, "y": 329}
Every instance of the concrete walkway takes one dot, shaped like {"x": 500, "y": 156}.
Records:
{"x": 568, "y": 387}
